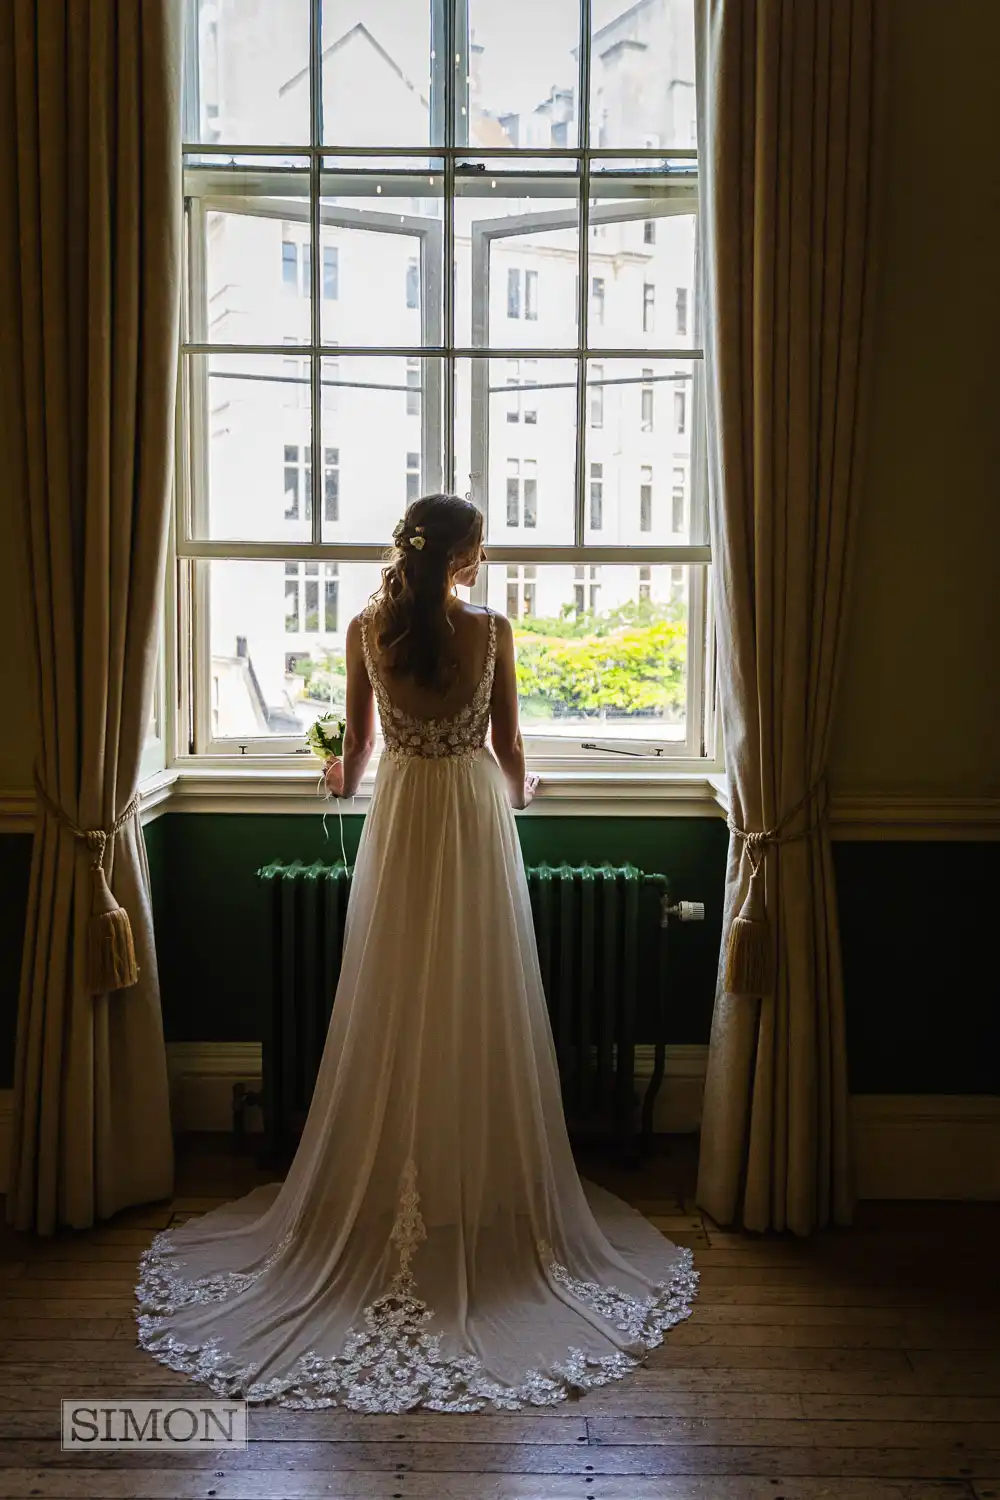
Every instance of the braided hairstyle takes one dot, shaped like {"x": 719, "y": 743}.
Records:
{"x": 438, "y": 537}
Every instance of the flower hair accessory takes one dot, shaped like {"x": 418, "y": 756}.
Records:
{"x": 417, "y": 540}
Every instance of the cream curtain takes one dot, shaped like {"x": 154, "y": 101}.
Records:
{"x": 786, "y": 100}
{"x": 89, "y": 282}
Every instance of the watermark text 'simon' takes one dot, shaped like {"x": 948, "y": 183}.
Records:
{"x": 88, "y": 1424}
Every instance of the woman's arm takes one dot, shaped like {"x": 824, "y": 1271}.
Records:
{"x": 505, "y": 729}
{"x": 343, "y": 777}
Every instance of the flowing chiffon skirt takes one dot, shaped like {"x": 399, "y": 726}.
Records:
{"x": 432, "y": 1245}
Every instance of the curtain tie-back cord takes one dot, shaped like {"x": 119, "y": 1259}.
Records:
{"x": 110, "y": 962}
{"x": 749, "y": 950}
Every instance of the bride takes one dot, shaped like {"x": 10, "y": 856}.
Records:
{"x": 432, "y": 1245}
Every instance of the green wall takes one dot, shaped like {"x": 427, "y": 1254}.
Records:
{"x": 207, "y": 902}
{"x": 917, "y": 922}
{"x": 921, "y": 980}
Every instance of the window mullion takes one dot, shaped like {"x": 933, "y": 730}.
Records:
{"x": 582, "y": 332}
{"x": 447, "y": 76}
{"x": 314, "y": 491}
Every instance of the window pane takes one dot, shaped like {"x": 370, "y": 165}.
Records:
{"x": 522, "y": 74}
{"x": 274, "y": 670}
{"x": 388, "y": 413}
{"x": 252, "y": 481}
{"x": 377, "y": 85}
{"x": 602, "y": 652}
{"x": 642, "y": 74}
{"x": 534, "y": 456}
{"x": 256, "y": 288}
{"x": 382, "y": 241}
{"x": 636, "y": 456}
{"x": 632, "y": 279}
{"x": 516, "y": 246}
{"x": 247, "y": 78}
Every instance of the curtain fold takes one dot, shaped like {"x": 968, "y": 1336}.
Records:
{"x": 90, "y": 288}
{"x": 788, "y": 145}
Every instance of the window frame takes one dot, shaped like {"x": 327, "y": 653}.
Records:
{"x": 672, "y": 170}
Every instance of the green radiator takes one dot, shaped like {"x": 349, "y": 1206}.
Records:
{"x": 592, "y": 927}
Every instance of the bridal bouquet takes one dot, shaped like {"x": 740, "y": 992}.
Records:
{"x": 325, "y": 737}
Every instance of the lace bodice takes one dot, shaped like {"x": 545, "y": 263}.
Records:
{"x": 462, "y": 733}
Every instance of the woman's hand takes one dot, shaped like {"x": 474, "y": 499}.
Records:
{"x": 531, "y": 785}
{"x": 333, "y": 777}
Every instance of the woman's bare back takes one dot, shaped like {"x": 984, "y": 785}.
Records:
{"x": 470, "y": 644}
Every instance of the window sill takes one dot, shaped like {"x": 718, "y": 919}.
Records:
{"x": 231, "y": 787}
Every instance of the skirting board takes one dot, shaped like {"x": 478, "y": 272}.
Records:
{"x": 929, "y": 1146}
{"x": 202, "y": 1075}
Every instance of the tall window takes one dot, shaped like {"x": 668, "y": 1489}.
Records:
{"x": 514, "y": 386}
{"x": 597, "y": 395}
{"x": 330, "y": 385}
{"x": 331, "y": 484}
{"x": 412, "y": 477}
{"x": 647, "y": 401}
{"x": 677, "y": 498}
{"x": 522, "y": 294}
{"x": 413, "y": 283}
{"x": 448, "y": 283}
{"x": 521, "y": 585}
{"x": 312, "y": 598}
{"x": 596, "y": 497}
{"x": 298, "y": 482}
{"x": 331, "y": 599}
{"x": 648, "y": 307}
{"x": 331, "y": 273}
{"x": 529, "y": 383}
{"x": 522, "y": 405}
{"x": 682, "y": 309}
{"x": 413, "y": 387}
{"x": 646, "y": 498}
{"x": 296, "y": 272}
{"x": 586, "y": 589}
{"x": 522, "y": 492}
{"x": 296, "y": 374}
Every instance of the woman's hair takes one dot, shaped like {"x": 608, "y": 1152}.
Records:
{"x": 438, "y": 536}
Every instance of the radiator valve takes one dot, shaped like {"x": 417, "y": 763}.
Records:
{"x": 684, "y": 911}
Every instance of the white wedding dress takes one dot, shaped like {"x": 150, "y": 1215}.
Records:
{"x": 432, "y": 1245}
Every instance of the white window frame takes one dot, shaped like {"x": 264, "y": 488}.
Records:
{"x": 665, "y": 184}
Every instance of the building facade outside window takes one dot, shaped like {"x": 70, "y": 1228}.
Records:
{"x": 439, "y": 279}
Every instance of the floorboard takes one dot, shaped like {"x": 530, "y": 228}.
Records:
{"x": 844, "y": 1367}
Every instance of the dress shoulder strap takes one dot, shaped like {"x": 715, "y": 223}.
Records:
{"x": 364, "y": 621}
{"x": 489, "y": 665}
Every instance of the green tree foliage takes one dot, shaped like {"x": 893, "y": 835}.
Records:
{"x": 625, "y": 661}
{"x": 324, "y": 679}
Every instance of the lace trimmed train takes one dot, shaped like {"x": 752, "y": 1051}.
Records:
{"x": 432, "y": 1245}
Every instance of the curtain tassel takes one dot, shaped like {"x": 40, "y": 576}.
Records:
{"x": 111, "y": 961}
{"x": 749, "y": 950}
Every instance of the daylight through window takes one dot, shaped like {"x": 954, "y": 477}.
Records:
{"x": 406, "y": 276}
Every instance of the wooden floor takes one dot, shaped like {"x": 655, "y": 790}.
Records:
{"x": 861, "y": 1364}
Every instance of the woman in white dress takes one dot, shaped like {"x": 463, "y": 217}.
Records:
{"x": 432, "y": 1245}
